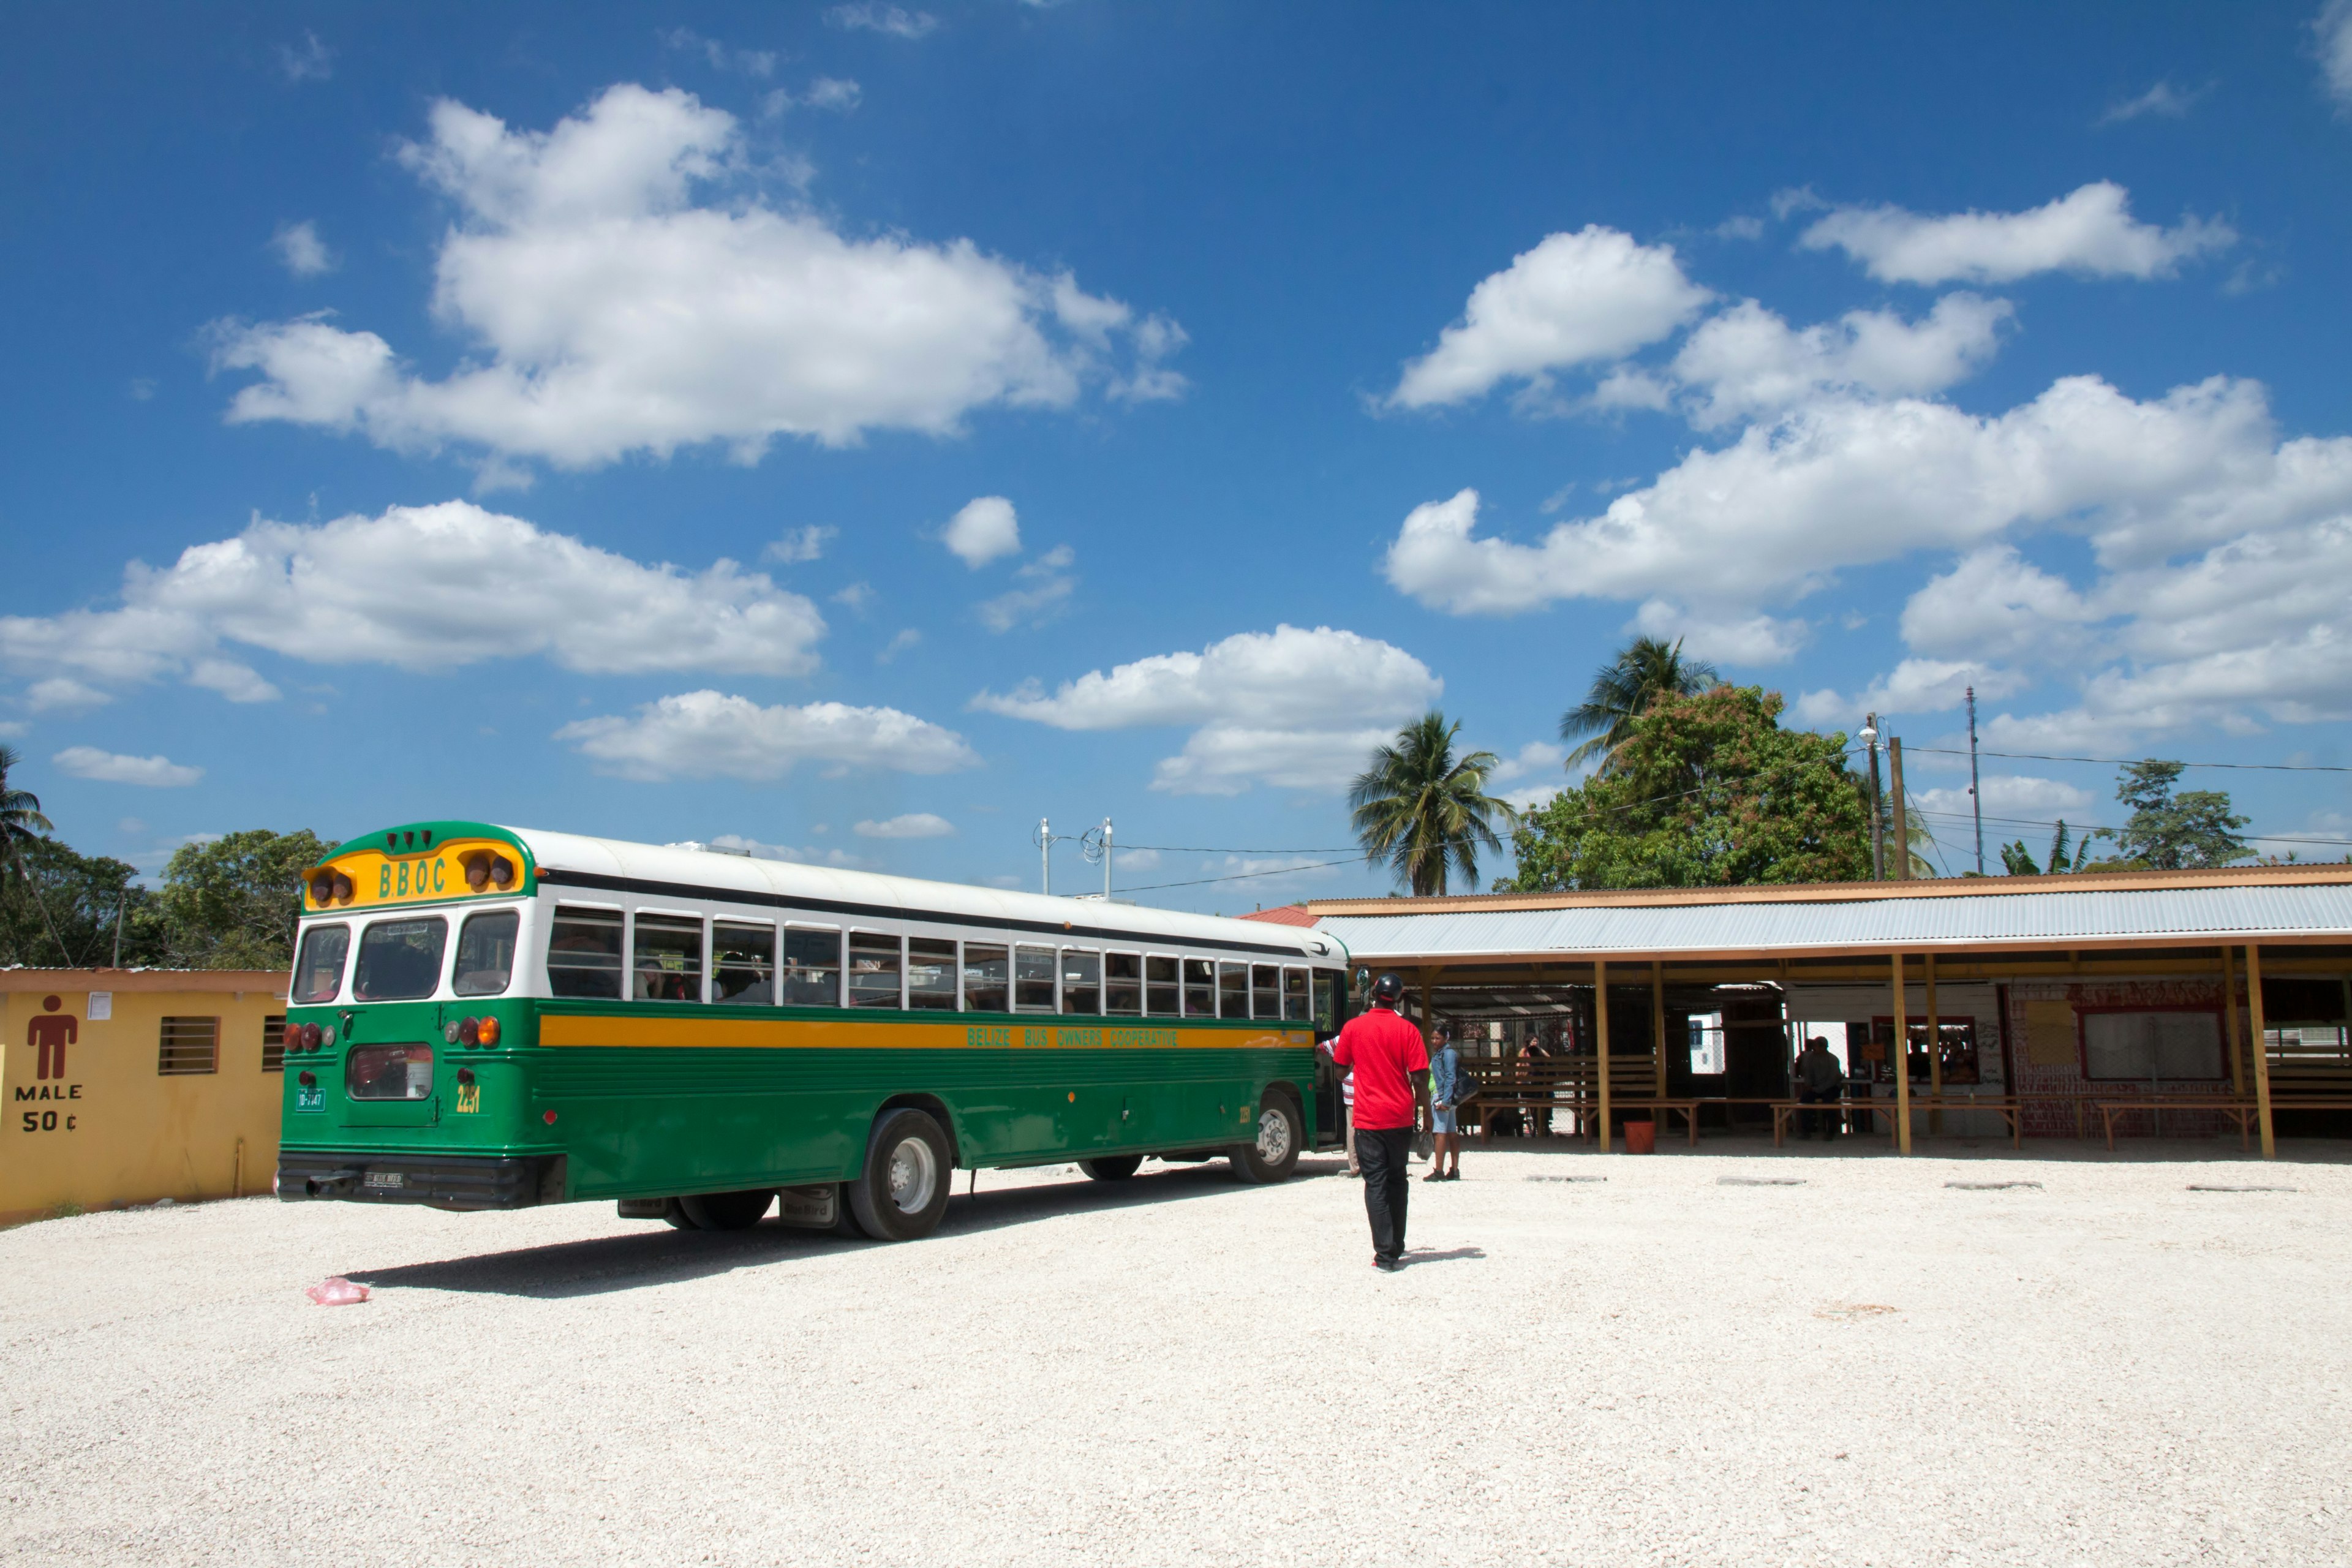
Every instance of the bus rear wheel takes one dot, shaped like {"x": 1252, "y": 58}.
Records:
{"x": 902, "y": 1194}
{"x": 1112, "y": 1168}
{"x": 1274, "y": 1154}
{"x": 726, "y": 1211}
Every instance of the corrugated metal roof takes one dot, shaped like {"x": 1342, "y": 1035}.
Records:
{"x": 2173, "y": 916}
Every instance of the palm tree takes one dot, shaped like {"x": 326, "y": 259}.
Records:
{"x": 20, "y": 809}
{"x": 1426, "y": 811}
{"x": 1645, "y": 670}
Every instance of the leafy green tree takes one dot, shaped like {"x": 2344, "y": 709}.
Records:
{"x": 1708, "y": 791}
{"x": 232, "y": 903}
{"x": 61, "y": 910}
{"x": 1623, "y": 689}
{"x": 2170, "y": 832}
{"x": 1425, "y": 810}
{"x": 20, "y": 809}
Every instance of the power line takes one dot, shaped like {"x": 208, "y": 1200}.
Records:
{"x": 1239, "y": 876}
{"x": 2095, "y": 828}
{"x": 2127, "y": 762}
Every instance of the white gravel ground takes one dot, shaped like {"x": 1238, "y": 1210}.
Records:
{"x": 1661, "y": 1367}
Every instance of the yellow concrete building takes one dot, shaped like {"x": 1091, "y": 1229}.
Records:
{"x": 126, "y": 1086}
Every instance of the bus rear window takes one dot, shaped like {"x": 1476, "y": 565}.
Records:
{"x": 400, "y": 961}
{"x": 389, "y": 1072}
{"x": 486, "y": 951}
{"x": 583, "y": 954}
{"x": 319, "y": 972}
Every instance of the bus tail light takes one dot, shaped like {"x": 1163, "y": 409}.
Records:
{"x": 310, "y": 1037}
{"x": 489, "y": 1030}
{"x": 469, "y": 1031}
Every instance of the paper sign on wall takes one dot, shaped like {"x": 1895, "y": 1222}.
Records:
{"x": 2049, "y": 1034}
{"x": 101, "y": 1006}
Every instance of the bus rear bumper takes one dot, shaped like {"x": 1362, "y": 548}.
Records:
{"x": 435, "y": 1181}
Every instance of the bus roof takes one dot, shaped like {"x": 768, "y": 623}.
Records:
{"x": 718, "y": 872}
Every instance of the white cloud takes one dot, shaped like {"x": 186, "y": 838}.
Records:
{"x": 751, "y": 62}
{"x": 2164, "y": 100}
{"x": 301, "y": 250}
{"x": 1719, "y": 636}
{"x": 1995, "y": 605}
{"x": 1576, "y": 298}
{"x": 1843, "y": 482}
{"x": 422, "y": 588}
{"x": 913, "y": 825}
{"x": 1052, "y": 583}
{"x": 983, "y": 530}
{"x": 895, "y": 20}
{"x": 310, "y": 60}
{"x": 799, "y": 546}
{"x": 2010, "y": 795}
{"x": 10, "y": 729}
{"x": 1913, "y": 686}
{"x": 1293, "y": 708}
{"x": 61, "y": 692}
{"x": 2332, "y": 32}
{"x": 1537, "y": 760}
{"x": 607, "y": 313}
{"x": 2090, "y": 233}
{"x": 907, "y": 637}
{"x": 107, "y": 767}
{"x": 703, "y": 735}
{"x": 1748, "y": 361}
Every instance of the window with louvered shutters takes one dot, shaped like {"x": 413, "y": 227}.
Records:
{"x": 188, "y": 1046}
{"x": 273, "y": 1043}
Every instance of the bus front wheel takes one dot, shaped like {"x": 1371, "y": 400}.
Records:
{"x": 903, "y": 1191}
{"x": 1274, "y": 1154}
{"x": 1112, "y": 1168}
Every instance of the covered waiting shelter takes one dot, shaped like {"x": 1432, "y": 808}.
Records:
{"x": 2209, "y": 995}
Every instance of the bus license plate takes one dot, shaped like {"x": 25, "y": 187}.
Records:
{"x": 386, "y": 1179}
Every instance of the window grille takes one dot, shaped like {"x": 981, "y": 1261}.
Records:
{"x": 188, "y": 1046}
{"x": 273, "y": 1043}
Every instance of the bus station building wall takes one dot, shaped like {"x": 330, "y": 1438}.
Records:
{"x": 92, "y": 1120}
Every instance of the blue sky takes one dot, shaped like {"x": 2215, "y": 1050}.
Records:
{"x": 860, "y": 430}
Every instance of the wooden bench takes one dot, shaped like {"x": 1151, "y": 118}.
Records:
{"x": 2006, "y": 1107}
{"x": 2242, "y": 1110}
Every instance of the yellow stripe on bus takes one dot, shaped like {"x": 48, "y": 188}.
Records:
{"x": 842, "y": 1033}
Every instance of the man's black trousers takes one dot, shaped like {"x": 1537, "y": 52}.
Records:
{"x": 1826, "y": 1122}
{"x": 1382, "y": 1152}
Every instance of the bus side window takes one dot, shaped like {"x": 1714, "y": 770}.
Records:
{"x": 1233, "y": 990}
{"x": 486, "y": 952}
{"x": 812, "y": 968}
{"x": 931, "y": 973}
{"x": 1161, "y": 997}
{"x": 583, "y": 954}
{"x": 984, "y": 979}
{"x": 1266, "y": 991}
{"x": 1293, "y": 996}
{"x": 1122, "y": 984}
{"x": 1326, "y": 1004}
{"x": 742, "y": 963}
{"x": 1200, "y": 988}
{"x": 1081, "y": 980}
{"x": 874, "y": 966}
{"x": 668, "y": 959}
{"x": 1033, "y": 979}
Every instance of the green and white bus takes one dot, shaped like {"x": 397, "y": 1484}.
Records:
{"x": 486, "y": 1017}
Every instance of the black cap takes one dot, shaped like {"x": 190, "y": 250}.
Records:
{"x": 1388, "y": 988}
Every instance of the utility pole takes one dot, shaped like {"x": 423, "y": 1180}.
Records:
{"x": 1895, "y": 807}
{"x": 120, "y": 896}
{"x": 1976, "y": 801}
{"x": 1877, "y": 832}
{"x": 1105, "y": 844}
{"x": 1045, "y": 856}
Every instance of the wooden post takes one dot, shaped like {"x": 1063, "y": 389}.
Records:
{"x": 1658, "y": 1025}
{"x": 1901, "y": 846}
{"x": 1601, "y": 1044}
{"x": 2262, "y": 1048}
{"x": 2229, "y": 1024}
{"x": 1935, "y": 1048}
{"x": 1428, "y": 1002}
{"x": 1901, "y": 1051}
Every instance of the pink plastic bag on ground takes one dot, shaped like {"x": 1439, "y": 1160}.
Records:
{"x": 337, "y": 1293}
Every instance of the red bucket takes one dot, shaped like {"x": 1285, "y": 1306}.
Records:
{"x": 1640, "y": 1137}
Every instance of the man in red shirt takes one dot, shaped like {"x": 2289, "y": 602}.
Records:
{"x": 1392, "y": 1068}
